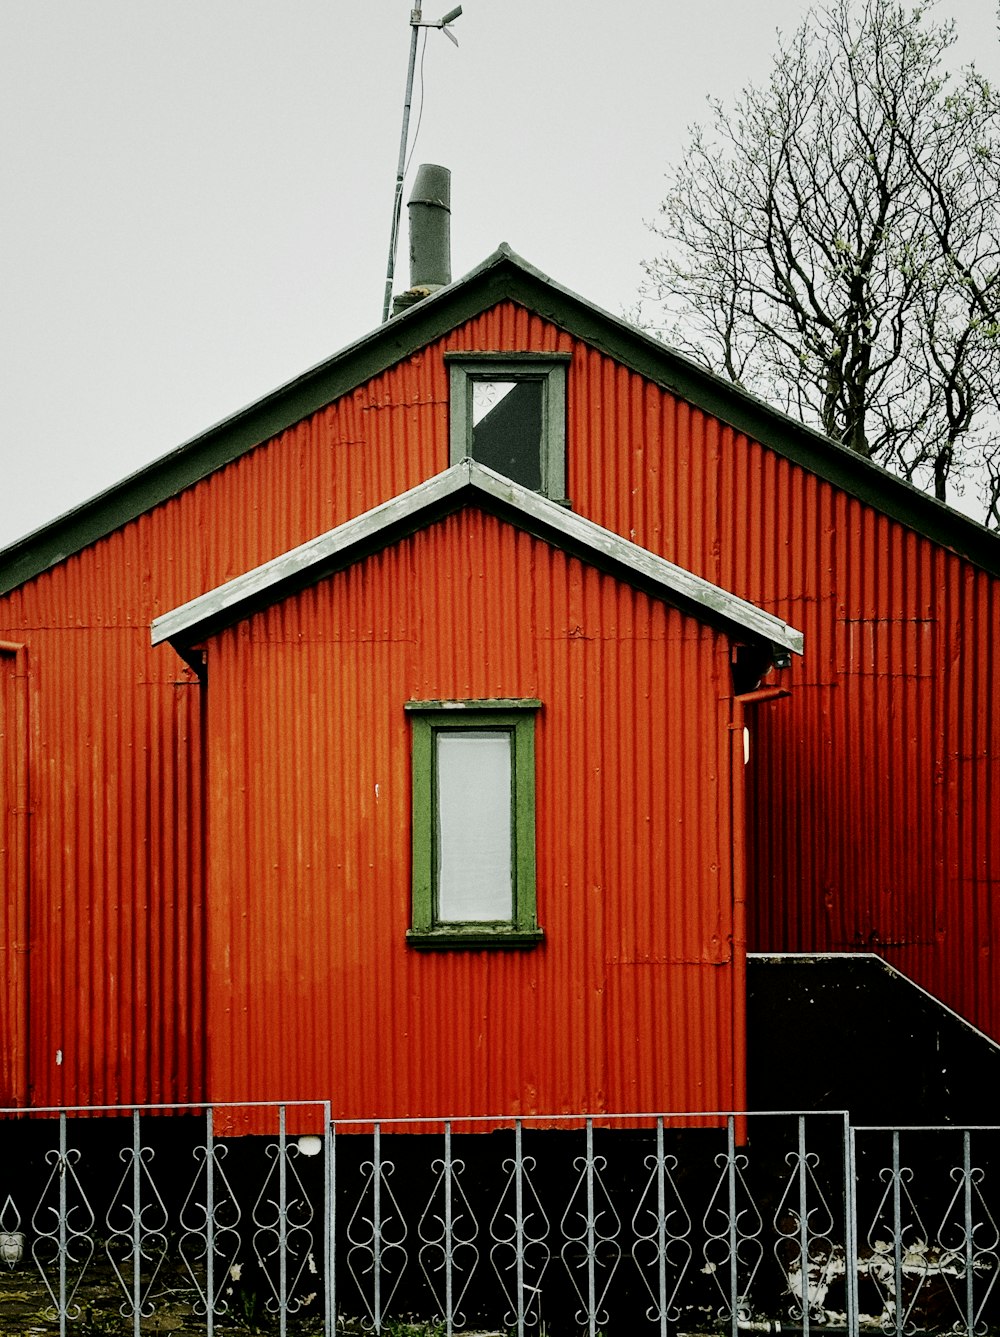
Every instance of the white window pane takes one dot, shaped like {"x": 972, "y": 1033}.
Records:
{"x": 474, "y": 826}
{"x": 486, "y": 395}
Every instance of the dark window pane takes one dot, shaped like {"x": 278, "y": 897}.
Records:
{"x": 507, "y": 429}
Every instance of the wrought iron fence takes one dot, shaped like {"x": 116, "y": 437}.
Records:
{"x": 272, "y": 1218}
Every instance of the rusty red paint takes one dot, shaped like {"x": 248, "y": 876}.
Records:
{"x": 309, "y": 876}
{"x": 14, "y": 809}
{"x": 874, "y": 807}
{"x": 872, "y": 803}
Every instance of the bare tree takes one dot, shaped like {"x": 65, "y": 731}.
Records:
{"x": 833, "y": 244}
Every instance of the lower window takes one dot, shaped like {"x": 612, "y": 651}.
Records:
{"x": 473, "y": 823}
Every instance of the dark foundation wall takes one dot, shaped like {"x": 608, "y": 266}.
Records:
{"x": 850, "y": 1032}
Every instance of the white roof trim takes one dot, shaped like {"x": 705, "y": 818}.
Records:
{"x": 237, "y": 598}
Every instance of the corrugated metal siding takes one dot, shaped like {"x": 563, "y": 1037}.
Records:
{"x": 117, "y": 965}
{"x": 14, "y": 799}
{"x": 309, "y": 765}
{"x": 875, "y": 804}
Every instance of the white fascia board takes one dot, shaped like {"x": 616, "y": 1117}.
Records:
{"x": 227, "y": 603}
{"x": 606, "y": 546}
{"x": 253, "y": 585}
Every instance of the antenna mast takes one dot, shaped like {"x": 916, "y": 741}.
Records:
{"x": 416, "y": 23}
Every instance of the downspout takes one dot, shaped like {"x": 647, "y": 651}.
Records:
{"x": 738, "y": 826}
{"x": 198, "y": 1056}
{"x": 18, "y": 947}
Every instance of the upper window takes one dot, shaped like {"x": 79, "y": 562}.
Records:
{"x": 473, "y": 823}
{"x": 508, "y": 411}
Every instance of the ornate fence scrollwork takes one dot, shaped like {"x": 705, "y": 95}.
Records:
{"x": 661, "y": 1225}
{"x": 282, "y": 1216}
{"x": 63, "y": 1226}
{"x": 137, "y": 1223}
{"x": 932, "y": 1281}
{"x": 804, "y": 1225}
{"x": 519, "y": 1229}
{"x": 447, "y": 1230}
{"x": 733, "y": 1228}
{"x": 11, "y": 1234}
{"x": 590, "y": 1228}
{"x": 898, "y": 1260}
{"x": 968, "y": 1234}
{"x": 209, "y": 1220}
{"x": 662, "y": 1247}
{"x": 376, "y": 1234}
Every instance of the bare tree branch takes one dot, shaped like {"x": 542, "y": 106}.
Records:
{"x": 832, "y": 242}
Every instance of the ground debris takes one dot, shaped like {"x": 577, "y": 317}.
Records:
{"x": 27, "y": 1310}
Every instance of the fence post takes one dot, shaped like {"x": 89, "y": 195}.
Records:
{"x": 377, "y": 1228}
{"x": 519, "y": 1225}
{"x": 897, "y": 1239}
{"x": 803, "y": 1224}
{"x": 734, "y": 1299}
{"x": 209, "y": 1223}
{"x": 591, "y": 1236}
{"x": 448, "y": 1240}
{"x": 282, "y": 1226}
{"x": 851, "y": 1226}
{"x": 136, "y": 1225}
{"x": 63, "y": 1243}
{"x": 970, "y": 1299}
{"x": 329, "y": 1225}
{"x": 661, "y": 1227}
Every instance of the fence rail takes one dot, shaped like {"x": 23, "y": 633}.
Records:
{"x": 273, "y": 1218}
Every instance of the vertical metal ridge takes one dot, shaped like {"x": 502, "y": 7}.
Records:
{"x": 900, "y": 638}
{"x": 902, "y": 855}
{"x": 15, "y": 927}
{"x": 314, "y": 896}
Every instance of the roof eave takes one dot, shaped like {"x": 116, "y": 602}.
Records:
{"x": 503, "y": 275}
{"x": 258, "y": 422}
{"x": 467, "y": 482}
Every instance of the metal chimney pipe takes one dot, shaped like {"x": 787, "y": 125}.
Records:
{"x": 430, "y": 227}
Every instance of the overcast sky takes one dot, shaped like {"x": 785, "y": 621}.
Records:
{"x": 196, "y": 194}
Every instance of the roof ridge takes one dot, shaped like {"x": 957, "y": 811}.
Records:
{"x": 502, "y": 275}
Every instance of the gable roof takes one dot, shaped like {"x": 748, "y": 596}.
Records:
{"x": 502, "y": 276}
{"x": 470, "y": 483}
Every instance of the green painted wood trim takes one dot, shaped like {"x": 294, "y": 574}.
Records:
{"x": 505, "y": 703}
{"x": 429, "y": 718}
{"x": 423, "y": 803}
{"x": 309, "y": 563}
{"x": 498, "y": 360}
{"x": 457, "y": 937}
{"x": 525, "y": 892}
{"x": 549, "y": 368}
{"x": 502, "y": 276}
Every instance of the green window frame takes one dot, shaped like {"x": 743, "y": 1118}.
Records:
{"x": 548, "y": 370}
{"x": 432, "y": 721}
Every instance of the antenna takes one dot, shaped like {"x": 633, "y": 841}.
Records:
{"x": 416, "y": 23}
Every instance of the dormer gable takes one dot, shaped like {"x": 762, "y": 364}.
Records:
{"x": 470, "y": 483}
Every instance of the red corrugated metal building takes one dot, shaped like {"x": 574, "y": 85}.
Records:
{"x": 872, "y": 790}
{"x": 325, "y": 982}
